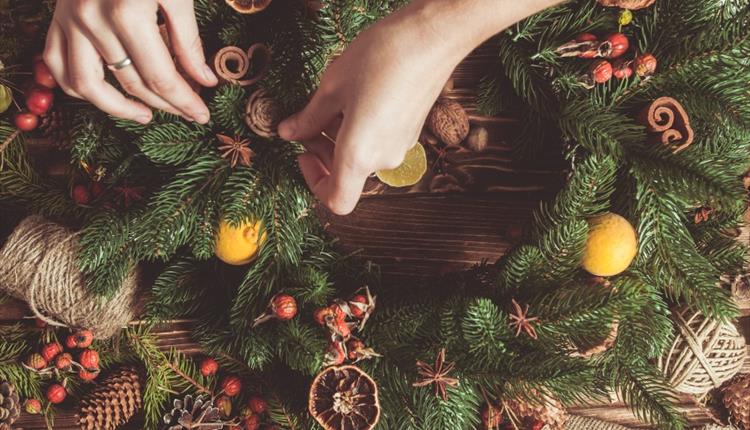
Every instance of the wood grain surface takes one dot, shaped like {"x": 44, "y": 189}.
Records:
{"x": 421, "y": 233}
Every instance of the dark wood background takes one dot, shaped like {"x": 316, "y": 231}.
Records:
{"x": 421, "y": 233}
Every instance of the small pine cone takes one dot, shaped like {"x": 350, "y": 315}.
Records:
{"x": 112, "y": 403}
{"x": 544, "y": 408}
{"x": 10, "y": 406}
{"x": 736, "y": 398}
{"x": 262, "y": 114}
{"x": 448, "y": 121}
{"x": 56, "y": 126}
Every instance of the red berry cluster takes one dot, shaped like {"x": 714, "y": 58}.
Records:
{"x": 612, "y": 47}
{"x": 39, "y": 97}
{"x": 342, "y": 317}
{"x": 53, "y": 359}
{"x": 253, "y": 414}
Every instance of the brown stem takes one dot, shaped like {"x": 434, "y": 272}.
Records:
{"x": 192, "y": 381}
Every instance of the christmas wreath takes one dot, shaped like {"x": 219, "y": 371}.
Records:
{"x": 616, "y": 282}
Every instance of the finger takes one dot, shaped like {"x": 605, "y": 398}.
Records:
{"x": 86, "y": 74}
{"x": 55, "y": 57}
{"x": 310, "y": 121}
{"x": 112, "y": 51}
{"x": 186, "y": 41}
{"x": 341, "y": 188}
{"x": 322, "y": 148}
{"x": 155, "y": 66}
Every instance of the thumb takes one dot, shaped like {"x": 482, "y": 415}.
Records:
{"x": 310, "y": 121}
{"x": 186, "y": 41}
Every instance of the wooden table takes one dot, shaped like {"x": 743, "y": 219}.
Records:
{"x": 417, "y": 234}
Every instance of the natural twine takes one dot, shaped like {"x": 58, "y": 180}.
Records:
{"x": 705, "y": 353}
{"x": 39, "y": 264}
{"x": 584, "y": 423}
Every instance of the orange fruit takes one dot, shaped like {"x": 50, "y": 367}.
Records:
{"x": 611, "y": 245}
{"x": 239, "y": 245}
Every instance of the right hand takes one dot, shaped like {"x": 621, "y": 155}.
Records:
{"x": 85, "y": 35}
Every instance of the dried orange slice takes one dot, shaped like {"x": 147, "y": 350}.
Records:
{"x": 344, "y": 398}
{"x": 248, "y": 6}
{"x": 409, "y": 172}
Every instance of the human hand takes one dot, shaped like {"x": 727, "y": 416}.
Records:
{"x": 374, "y": 98}
{"x": 85, "y": 35}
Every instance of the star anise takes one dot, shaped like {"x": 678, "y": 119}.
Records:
{"x": 236, "y": 150}
{"x": 129, "y": 194}
{"x": 522, "y": 322}
{"x": 437, "y": 374}
{"x": 703, "y": 214}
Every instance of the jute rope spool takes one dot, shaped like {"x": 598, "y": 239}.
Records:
{"x": 39, "y": 264}
{"x": 705, "y": 353}
{"x": 584, "y": 423}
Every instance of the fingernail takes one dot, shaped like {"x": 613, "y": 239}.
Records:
{"x": 201, "y": 117}
{"x": 143, "y": 119}
{"x": 209, "y": 74}
{"x": 286, "y": 129}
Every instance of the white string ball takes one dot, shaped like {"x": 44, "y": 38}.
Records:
{"x": 704, "y": 354}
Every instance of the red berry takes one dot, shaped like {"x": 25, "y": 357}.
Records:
{"x": 81, "y": 196}
{"x": 39, "y": 323}
{"x": 586, "y": 37}
{"x": 87, "y": 376}
{"x": 231, "y": 385}
{"x": 252, "y": 422}
{"x": 358, "y": 305}
{"x": 36, "y": 361}
{"x": 587, "y": 45}
{"x": 32, "y": 406}
{"x": 26, "y": 121}
{"x": 39, "y": 100}
{"x": 50, "y": 351}
{"x": 70, "y": 342}
{"x": 89, "y": 359}
{"x": 284, "y": 307}
{"x": 209, "y": 367}
{"x": 645, "y": 65}
{"x": 600, "y": 71}
{"x": 64, "y": 361}
{"x": 622, "y": 69}
{"x": 322, "y": 314}
{"x": 257, "y": 404}
{"x": 43, "y": 76}
{"x": 56, "y": 394}
{"x": 614, "y": 45}
{"x": 83, "y": 338}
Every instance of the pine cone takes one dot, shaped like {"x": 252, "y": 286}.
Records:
{"x": 545, "y": 408}
{"x": 10, "y": 406}
{"x": 112, "y": 403}
{"x": 56, "y": 126}
{"x": 737, "y": 401}
{"x": 189, "y": 413}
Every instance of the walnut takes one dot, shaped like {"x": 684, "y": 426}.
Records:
{"x": 627, "y": 4}
{"x": 448, "y": 121}
{"x": 478, "y": 138}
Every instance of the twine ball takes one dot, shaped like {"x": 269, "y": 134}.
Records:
{"x": 705, "y": 353}
{"x": 39, "y": 264}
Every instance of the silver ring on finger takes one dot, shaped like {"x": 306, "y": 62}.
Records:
{"x": 120, "y": 64}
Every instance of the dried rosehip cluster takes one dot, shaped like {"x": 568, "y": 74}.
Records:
{"x": 341, "y": 318}
{"x": 53, "y": 360}
{"x": 252, "y": 415}
{"x": 494, "y": 419}
{"x": 612, "y": 47}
